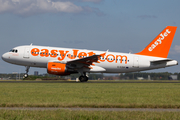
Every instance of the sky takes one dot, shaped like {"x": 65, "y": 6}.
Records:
{"x": 118, "y": 25}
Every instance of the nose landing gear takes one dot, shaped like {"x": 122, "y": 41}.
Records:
{"x": 27, "y": 70}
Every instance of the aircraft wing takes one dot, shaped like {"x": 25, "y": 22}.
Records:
{"x": 84, "y": 62}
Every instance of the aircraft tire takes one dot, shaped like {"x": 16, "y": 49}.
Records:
{"x": 25, "y": 76}
{"x": 83, "y": 78}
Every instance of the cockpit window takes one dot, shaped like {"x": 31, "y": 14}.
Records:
{"x": 13, "y": 50}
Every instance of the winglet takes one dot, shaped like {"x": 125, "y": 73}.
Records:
{"x": 160, "y": 46}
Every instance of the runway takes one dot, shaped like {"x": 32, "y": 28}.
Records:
{"x": 90, "y": 81}
{"x": 92, "y": 109}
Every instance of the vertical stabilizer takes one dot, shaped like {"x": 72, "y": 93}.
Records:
{"x": 160, "y": 46}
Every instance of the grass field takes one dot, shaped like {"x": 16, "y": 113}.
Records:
{"x": 119, "y": 95}
{"x": 86, "y": 115}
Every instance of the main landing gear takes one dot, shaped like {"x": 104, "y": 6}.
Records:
{"x": 27, "y": 70}
{"x": 83, "y": 78}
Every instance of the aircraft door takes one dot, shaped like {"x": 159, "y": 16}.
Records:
{"x": 136, "y": 62}
{"x": 26, "y": 52}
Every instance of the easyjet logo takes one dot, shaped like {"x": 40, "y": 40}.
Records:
{"x": 62, "y": 54}
{"x": 56, "y": 68}
{"x": 162, "y": 36}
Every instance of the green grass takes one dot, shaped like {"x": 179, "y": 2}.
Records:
{"x": 124, "y": 95}
{"x": 86, "y": 115}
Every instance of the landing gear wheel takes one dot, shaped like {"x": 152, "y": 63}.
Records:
{"x": 83, "y": 78}
{"x": 25, "y": 76}
{"x": 27, "y": 70}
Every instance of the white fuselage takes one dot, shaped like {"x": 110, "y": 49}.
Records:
{"x": 111, "y": 62}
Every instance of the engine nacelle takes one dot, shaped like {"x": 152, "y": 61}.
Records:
{"x": 57, "y": 68}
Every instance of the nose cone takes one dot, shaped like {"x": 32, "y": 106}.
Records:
{"x": 5, "y": 57}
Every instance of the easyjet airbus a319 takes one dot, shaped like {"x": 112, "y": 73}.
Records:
{"x": 66, "y": 61}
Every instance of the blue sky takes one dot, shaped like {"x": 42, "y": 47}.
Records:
{"x": 117, "y": 25}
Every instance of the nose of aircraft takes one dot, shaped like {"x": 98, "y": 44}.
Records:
{"x": 4, "y": 56}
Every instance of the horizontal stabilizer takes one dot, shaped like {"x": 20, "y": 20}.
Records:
{"x": 160, "y": 61}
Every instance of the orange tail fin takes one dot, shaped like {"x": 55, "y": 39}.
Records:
{"x": 160, "y": 46}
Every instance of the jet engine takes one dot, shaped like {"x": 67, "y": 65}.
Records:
{"x": 57, "y": 68}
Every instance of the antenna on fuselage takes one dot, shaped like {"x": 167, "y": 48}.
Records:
{"x": 130, "y": 51}
{"x": 107, "y": 51}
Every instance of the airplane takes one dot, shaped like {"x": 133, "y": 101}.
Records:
{"x": 66, "y": 61}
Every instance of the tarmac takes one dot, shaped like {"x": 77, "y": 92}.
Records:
{"x": 92, "y": 109}
{"x": 90, "y": 81}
